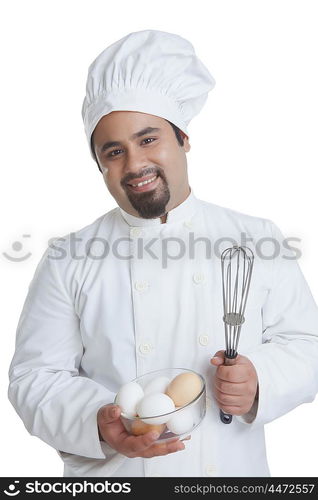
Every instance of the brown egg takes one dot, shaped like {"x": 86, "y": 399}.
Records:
{"x": 184, "y": 388}
{"x": 139, "y": 427}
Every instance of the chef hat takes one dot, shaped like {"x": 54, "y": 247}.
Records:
{"x": 148, "y": 71}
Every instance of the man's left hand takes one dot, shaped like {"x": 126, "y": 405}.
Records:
{"x": 235, "y": 386}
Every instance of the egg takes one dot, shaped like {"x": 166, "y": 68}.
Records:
{"x": 181, "y": 422}
{"x": 184, "y": 388}
{"x": 128, "y": 397}
{"x": 155, "y": 404}
{"x": 158, "y": 384}
{"x": 138, "y": 428}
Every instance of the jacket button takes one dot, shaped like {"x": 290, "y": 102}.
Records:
{"x": 198, "y": 278}
{"x": 135, "y": 232}
{"x": 141, "y": 285}
{"x": 203, "y": 339}
{"x": 210, "y": 470}
{"x": 145, "y": 348}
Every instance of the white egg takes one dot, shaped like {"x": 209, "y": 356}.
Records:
{"x": 128, "y": 397}
{"x": 158, "y": 384}
{"x": 154, "y": 404}
{"x": 181, "y": 422}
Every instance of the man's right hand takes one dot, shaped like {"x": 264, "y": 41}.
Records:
{"x": 115, "y": 435}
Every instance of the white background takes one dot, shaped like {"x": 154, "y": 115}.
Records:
{"x": 254, "y": 149}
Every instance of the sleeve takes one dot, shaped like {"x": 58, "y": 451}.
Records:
{"x": 53, "y": 401}
{"x": 287, "y": 360}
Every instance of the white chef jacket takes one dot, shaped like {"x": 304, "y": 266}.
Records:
{"x": 104, "y": 308}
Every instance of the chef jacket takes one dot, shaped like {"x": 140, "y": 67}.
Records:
{"x": 124, "y": 296}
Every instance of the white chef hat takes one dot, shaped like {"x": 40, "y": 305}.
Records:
{"x": 148, "y": 71}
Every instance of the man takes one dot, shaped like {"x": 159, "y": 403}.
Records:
{"x": 141, "y": 290}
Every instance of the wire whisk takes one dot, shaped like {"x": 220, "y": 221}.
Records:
{"x": 237, "y": 265}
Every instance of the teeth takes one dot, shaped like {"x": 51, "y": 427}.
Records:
{"x": 144, "y": 182}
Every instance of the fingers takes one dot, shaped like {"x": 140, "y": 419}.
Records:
{"x": 146, "y": 446}
{"x": 230, "y": 404}
{"x": 218, "y": 358}
{"x": 109, "y": 413}
{"x": 134, "y": 446}
{"x": 110, "y": 426}
{"x": 227, "y": 400}
{"x": 227, "y": 393}
{"x": 236, "y": 402}
{"x": 234, "y": 410}
{"x": 233, "y": 374}
{"x": 224, "y": 387}
{"x": 234, "y": 386}
{"x": 160, "y": 449}
{"x": 115, "y": 434}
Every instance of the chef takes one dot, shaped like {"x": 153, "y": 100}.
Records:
{"x": 139, "y": 289}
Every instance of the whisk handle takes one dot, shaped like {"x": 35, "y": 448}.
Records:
{"x": 229, "y": 361}
{"x": 226, "y": 418}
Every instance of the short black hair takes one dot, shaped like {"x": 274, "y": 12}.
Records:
{"x": 176, "y": 129}
{"x": 178, "y": 133}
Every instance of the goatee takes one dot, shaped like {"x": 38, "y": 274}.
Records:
{"x": 151, "y": 204}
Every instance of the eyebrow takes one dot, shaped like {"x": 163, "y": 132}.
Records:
{"x": 142, "y": 132}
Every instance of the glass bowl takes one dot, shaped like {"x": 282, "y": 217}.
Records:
{"x": 185, "y": 418}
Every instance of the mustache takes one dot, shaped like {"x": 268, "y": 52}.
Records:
{"x": 147, "y": 171}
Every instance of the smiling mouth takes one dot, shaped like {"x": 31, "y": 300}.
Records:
{"x": 143, "y": 183}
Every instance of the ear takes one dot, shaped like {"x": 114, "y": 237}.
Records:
{"x": 186, "y": 143}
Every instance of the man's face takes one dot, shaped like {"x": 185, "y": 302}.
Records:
{"x": 133, "y": 147}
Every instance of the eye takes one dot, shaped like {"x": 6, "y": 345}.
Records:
{"x": 116, "y": 152}
{"x": 150, "y": 139}
{"x": 113, "y": 153}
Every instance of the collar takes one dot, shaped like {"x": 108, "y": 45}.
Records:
{"x": 181, "y": 212}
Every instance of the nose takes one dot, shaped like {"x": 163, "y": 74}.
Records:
{"x": 136, "y": 161}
